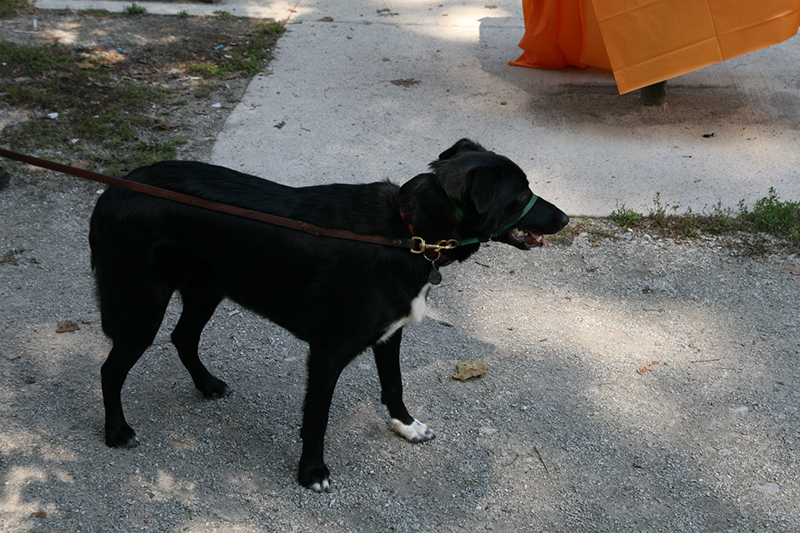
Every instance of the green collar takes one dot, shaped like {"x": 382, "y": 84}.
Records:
{"x": 459, "y": 209}
{"x": 474, "y": 240}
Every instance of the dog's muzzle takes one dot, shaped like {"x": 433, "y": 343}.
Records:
{"x": 525, "y": 239}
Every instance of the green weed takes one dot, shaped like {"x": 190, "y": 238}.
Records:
{"x": 769, "y": 215}
{"x": 272, "y": 29}
{"x": 224, "y": 15}
{"x": 774, "y": 216}
{"x": 660, "y": 214}
{"x": 246, "y": 57}
{"x": 204, "y": 69}
{"x": 134, "y": 9}
{"x": 8, "y": 8}
{"x": 626, "y": 218}
{"x": 33, "y": 59}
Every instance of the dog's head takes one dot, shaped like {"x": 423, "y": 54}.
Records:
{"x": 492, "y": 196}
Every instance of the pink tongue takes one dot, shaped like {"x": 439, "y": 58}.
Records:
{"x": 544, "y": 242}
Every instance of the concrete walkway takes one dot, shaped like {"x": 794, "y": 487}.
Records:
{"x": 366, "y": 90}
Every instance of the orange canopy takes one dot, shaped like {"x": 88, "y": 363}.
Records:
{"x": 648, "y": 41}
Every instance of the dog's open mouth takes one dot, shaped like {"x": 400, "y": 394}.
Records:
{"x": 526, "y": 239}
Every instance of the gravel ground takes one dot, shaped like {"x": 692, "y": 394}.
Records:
{"x": 635, "y": 384}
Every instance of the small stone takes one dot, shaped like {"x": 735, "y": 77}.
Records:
{"x": 768, "y": 488}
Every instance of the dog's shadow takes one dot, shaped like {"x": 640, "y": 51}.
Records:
{"x": 257, "y": 426}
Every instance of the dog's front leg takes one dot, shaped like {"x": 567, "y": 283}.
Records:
{"x": 387, "y": 359}
{"x": 324, "y": 368}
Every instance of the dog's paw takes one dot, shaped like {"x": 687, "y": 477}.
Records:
{"x": 122, "y": 438}
{"x": 214, "y": 388}
{"x": 414, "y": 432}
{"x": 316, "y": 478}
{"x": 321, "y": 486}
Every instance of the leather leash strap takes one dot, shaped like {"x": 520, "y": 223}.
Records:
{"x": 415, "y": 245}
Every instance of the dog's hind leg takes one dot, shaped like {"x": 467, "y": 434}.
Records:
{"x": 198, "y": 306}
{"x": 387, "y": 359}
{"x": 113, "y": 372}
{"x": 132, "y": 310}
{"x": 132, "y": 323}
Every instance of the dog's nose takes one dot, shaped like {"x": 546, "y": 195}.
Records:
{"x": 564, "y": 220}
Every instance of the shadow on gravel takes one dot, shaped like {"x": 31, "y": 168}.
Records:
{"x": 562, "y": 434}
{"x": 660, "y": 381}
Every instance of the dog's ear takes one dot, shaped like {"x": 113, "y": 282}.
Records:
{"x": 464, "y": 145}
{"x": 484, "y": 187}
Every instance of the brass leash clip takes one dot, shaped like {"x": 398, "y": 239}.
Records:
{"x": 444, "y": 244}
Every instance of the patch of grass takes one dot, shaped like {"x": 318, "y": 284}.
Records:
{"x": 142, "y": 153}
{"x": 96, "y": 111}
{"x": 204, "y": 69}
{"x": 149, "y": 153}
{"x": 204, "y": 89}
{"x": 8, "y": 8}
{"x": 246, "y": 57}
{"x": 117, "y": 109}
{"x": 224, "y": 15}
{"x": 774, "y": 216}
{"x": 718, "y": 221}
{"x": 134, "y": 9}
{"x": 769, "y": 215}
{"x": 660, "y": 214}
{"x": 47, "y": 134}
{"x": 626, "y": 218}
{"x": 139, "y": 153}
{"x": 25, "y": 95}
{"x": 33, "y": 59}
{"x": 272, "y": 29}
{"x": 129, "y": 94}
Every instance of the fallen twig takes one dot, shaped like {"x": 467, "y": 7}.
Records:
{"x": 647, "y": 368}
{"x": 541, "y": 458}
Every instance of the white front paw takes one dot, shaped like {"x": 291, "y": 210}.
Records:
{"x": 415, "y": 432}
{"x": 322, "y": 486}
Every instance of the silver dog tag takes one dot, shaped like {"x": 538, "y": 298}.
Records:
{"x": 434, "y": 276}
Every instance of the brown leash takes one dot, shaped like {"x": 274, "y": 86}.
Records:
{"x": 416, "y": 245}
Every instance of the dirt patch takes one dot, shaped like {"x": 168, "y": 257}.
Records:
{"x": 113, "y": 91}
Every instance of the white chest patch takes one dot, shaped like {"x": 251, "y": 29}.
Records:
{"x": 418, "y": 309}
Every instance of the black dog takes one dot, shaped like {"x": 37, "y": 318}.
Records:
{"x": 339, "y": 296}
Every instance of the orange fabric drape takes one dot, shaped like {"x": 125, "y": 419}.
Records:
{"x": 648, "y": 41}
{"x": 560, "y": 33}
